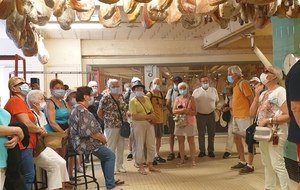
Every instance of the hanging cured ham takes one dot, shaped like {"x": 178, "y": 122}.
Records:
{"x": 86, "y": 16}
{"x": 40, "y": 13}
{"x": 156, "y": 14}
{"x": 81, "y": 5}
{"x": 216, "y": 2}
{"x": 106, "y": 11}
{"x": 66, "y": 19}
{"x": 59, "y": 7}
{"x": 43, "y": 54}
{"x": 30, "y": 52}
{"x": 229, "y": 9}
{"x": 30, "y": 37}
{"x": 109, "y": 1}
{"x": 146, "y": 21}
{"x": 17, "y": 20}
{"x": 204, "y": 8}
{"x": 222, "y": 22}
{"x": 13, "y": 33}
{"x": 7, "y": 7}
{"x": 133, "y": 16}
{"x": 260, "y": 18}
{"x": 24, "y": 6}
{"x": 187, "y": 6}
{"x": 191, "y": 21}
{"x": 113, "y": 21}
{"x": 129, "y": 6}
{"x": 50, "y": 3}
{"x": 174, "y": 14}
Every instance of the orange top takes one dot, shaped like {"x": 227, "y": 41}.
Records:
{"x": 240, "y": 103}
{"x": 16, "y": 105}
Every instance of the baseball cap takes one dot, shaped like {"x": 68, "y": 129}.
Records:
{"x": 92, "y": 83}
{"x": 177, "y": 79}
{"x": 135, "y": 79}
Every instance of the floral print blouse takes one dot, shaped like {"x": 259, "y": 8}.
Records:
{"x": 111, "y": 112}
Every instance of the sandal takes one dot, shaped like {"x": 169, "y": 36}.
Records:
{"x": 193, "y": 164}
{"x": 181, "y": 163}
{"x": 142, "y": 171}
{"x": 171, "y": 157}
{"x": 153, "y": 169}
{"x": 119, "y": 182}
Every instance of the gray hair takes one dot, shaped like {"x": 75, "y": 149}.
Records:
{"x": 277, "y": 72}
{"x": 236, "y": 70}
{"x": 32, "y": 97}
{"x": 183, "y": 84}
{"x": 110, "y": 81}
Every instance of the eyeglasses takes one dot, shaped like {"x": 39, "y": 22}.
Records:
{"x": 19, "y": 84}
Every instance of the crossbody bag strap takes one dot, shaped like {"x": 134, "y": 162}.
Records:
{"x": 118, "y": 108}
{"x": 141, "y": 104}
{"x": 188, "y": 102}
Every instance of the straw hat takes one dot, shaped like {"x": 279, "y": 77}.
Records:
{"x": 54, "y": 140}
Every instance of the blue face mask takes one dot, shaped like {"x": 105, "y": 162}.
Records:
{"x": 205, "y": 86}
{"x": 95, "y": 91}
{"x": 183, "y": 92}
{"x": 24, "y": 89}
{"x": 156, "y": 87}
{"x": 139, "y": 93}
{"x": 229, "y": 79}
{"x": 91, "y": 101}
{"x": 59, "y": 93}
{"x": 175, "y": 87}
{"x": 115, "y": 90}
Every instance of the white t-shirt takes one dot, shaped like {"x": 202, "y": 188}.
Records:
{"x": 205, "y": 99}
{"x": 40, "y": 119}
{"x": 174, "y": 95}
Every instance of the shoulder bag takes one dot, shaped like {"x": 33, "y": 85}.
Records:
{"x": 180, "y": 119}
{"x": 125, "y": 128}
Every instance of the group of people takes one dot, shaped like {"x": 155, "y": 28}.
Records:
{"x": 92, "y": 122}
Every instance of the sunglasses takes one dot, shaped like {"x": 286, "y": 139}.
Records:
{"x": 267, "y": 71}
{"x": 19, "y": 84}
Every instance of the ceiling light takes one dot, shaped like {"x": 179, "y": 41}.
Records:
{"x": 73, "y": 26}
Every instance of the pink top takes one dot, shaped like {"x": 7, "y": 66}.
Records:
{"x": 191, "y": 119}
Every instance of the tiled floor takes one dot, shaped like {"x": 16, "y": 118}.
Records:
{"x": 209, "y": 173}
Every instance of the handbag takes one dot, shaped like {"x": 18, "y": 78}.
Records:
{"x": 125, "y": 127}
{"x": 263, "y": 133}
{"x": 180, "y": 119}
{"x": 40, "y": 145}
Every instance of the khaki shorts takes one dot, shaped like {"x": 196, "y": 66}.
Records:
{"x": 2, "y": 177}
{"x": 241, "y": 124}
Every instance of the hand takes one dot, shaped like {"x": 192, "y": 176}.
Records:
{"x": 263, "y": 122}
{"x": 258, "y": 88}
{"x": 224, "y": 109}
{"x": 151, "y": 116}
{"x": 103, "y": 139}
{"x": 12, "y": 142}
{"x": 43, "y": 131}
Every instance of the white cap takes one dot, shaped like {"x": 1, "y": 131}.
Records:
{"x": 254, "y": 79}
{"x": 135, "y": 79}
{"x": 92, "y": 83}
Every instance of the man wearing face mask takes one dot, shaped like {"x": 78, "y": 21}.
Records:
{"x": 111, "y": 106}
{"x": 157, "y": 99}
{"x": 20, "y": 112}
{"x": 206, "y": 98}
{"x": 242, "y": 99}
{"x": 170, "y": 99}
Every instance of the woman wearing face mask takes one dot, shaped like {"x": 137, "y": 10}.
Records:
{"x": 48, "y": 159}
{"x": 20, "y": 112}
{"x": 143, "y": 118}
{"x": 57, "y": 112}
{"x": 86, "y": 135}
{"x": 110, "y": 106}
{"x": 185, "y": 104}
{"x": 270, "y": 110}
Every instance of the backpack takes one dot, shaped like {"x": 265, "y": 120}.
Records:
{"x": 226, "y": 116}
{"x": 161, "y": 96}
{"x": 127, "y": 96}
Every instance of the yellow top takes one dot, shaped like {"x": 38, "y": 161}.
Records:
{"x": 136, "y": 107}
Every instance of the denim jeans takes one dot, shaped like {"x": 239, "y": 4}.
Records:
{"x": 107, "y": 158}
{"x": 28, "y": 167}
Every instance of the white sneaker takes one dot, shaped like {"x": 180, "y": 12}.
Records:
{"x": 121, "y": 170}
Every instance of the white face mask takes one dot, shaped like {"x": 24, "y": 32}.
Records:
{"x": 42, "y": 105}
{"x": 263, "y": 78}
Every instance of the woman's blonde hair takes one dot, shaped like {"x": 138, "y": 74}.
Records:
{"x": 12, "y": 81}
